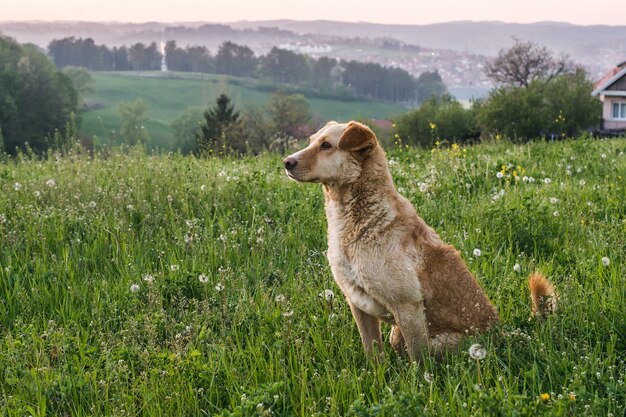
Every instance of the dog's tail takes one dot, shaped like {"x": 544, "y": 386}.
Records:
{"x": 543, "y": 295}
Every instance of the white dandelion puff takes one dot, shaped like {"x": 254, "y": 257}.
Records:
{"x": 18, "y": 186}
{"x": 517, "y": 268}
{"x": 477, "y": 352}
{"x": 279, "y": 298}
{"x": 51, "y": 183}
{"x": 288, "y": 313}
{"x": 328, "y": 295}
{"x": 499, "y": 175}
{"x": 134, "y": 288}
{"x": 606, "y": 261}
{"x": 428, "y": 377}
{"x": 174, "y": 267}
{"x": 203, "y": 278}
{"x": 219, "y": 287}
{"x": 554, "y": 200}
{"x": 148, "y": 278}
{"x": 477, "y": 252}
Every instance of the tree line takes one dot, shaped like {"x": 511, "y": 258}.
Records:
{"x": 325, "y": 76}
{"x": 538, "y": 95}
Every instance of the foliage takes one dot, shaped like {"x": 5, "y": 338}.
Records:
{"x": 133, "y": 117}
{"x": 562, "y": 107}
{"x": 162, "y": 285}
{"x": 218, "y": 132}
{"x": 289, "y": 115}
{"x": 429, "y": 84}
{"x": 35, "y": 98}
{"x": 82, "y": 81}
{"x": 192, "y": 58}
{"x": 437, "y": 119}
{"x": 186, "y": 129}
{"x": 526, "y": 63}
{"x": 323, "y": 77}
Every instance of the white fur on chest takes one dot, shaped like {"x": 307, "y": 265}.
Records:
{"x": 373, "y": 276}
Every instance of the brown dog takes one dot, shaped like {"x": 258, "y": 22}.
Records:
{"x": 388, "y": 262}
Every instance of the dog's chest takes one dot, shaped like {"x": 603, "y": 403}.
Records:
{"x": 358, "y": 277}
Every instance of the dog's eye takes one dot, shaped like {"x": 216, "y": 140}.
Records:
{"x": 325, "y": 145}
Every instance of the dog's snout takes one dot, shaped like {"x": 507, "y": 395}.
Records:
{"x": 290, "y": 163}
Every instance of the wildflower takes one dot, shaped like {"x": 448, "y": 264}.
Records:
{"x": 428, "y": 377}
{"x": 18, "y": 186}
{"x": 477, "y": 352}
{"x": 603, "y": 156}
{"x": 499, "y": 175}
{"x": 555, "y": 214}
{"x": 130, "y": 207}
{"x": 148, "y": 278}
{"x": 328, "y": 295}
{"x": 279, "y": 298}
{"x": 572, "y": 396}
{"x": 606, "y": 261}
{"x": 477, "y": 252}
{"x": 203, "y": 188}
{"x": 432, "y": 126}
{"x": 203, "y": 278}
{"x": 134, "y": 287}
{"x": 219, "y": 287}
{"x": 174, "y": 267}
{"x": 517, "y": 268}
{"x": 51, "y": 183}
{"x": 545, "y": 396}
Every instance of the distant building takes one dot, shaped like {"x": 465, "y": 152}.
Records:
{"x": 612, "y": 92}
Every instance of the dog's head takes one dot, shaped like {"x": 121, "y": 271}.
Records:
{"x": 336, "y": 154}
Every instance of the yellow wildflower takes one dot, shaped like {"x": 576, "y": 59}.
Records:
{"x": 545, "y": 396}
{"x": 432, "y": 126}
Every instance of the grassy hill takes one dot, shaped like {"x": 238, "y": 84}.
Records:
{"x": 165, "y": 285}
{"x": 168, "y": 95}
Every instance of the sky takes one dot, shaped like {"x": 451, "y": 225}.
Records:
{"x": 583, "y": 12}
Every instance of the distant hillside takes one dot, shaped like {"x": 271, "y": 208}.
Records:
{"x": 168, "y": 95}
{"x": 457, "y": 49}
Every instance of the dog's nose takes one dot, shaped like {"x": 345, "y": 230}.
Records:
{"x": 290, "y": 163}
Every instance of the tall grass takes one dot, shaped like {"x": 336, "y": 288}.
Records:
{"x": 168, "y": 285}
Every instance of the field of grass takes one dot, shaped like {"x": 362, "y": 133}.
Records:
{"x": 167, "y": 96}
{"x": 173, "y": 286}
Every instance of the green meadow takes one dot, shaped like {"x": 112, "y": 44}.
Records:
{"x": 163, "y": 285}
{"x": 168, "y": 95}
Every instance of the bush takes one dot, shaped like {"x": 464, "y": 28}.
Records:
{"x": 438, "y": 119}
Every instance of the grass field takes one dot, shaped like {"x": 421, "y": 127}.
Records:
{"x": 167, "y": 96}
{"x": 139, "y": 285}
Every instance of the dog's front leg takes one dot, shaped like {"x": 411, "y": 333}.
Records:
{"x": 411, "y": 319}
{"x": 369, "y": 328}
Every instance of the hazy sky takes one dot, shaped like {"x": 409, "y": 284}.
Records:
{"x": 612, "y": 12}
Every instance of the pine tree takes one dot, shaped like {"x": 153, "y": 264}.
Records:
{"x": 217, "y": 120}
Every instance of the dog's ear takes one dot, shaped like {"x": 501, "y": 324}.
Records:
{"x": 358, "y": 138}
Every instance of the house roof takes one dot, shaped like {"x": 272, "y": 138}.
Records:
{"x": 612, "y": 76}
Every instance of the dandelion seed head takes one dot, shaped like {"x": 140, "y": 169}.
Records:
{"x": 279, "y": 298}
{"x": 606, "y": 261}
{"x": 477, "y": 352}
{"x": 517, "y": 268}
{"x": 148, "y": 278}
{"x": 134, "y": 287}
{"x": 477, "y": 252}
{"x": 428, "y": 377}
{"x": 219, "y": 287}
{"x": 203, "y": 278}
{"x": 18, "y": 186}
{"x": 499, "y": 175}
{"x": 328, "y": 295}
{"x": 288, "y": 313}
{"x": 174, "y": 267}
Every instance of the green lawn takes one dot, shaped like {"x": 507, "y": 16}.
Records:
{"x": 167, "y": 97}
{"x": 173, "y": 286}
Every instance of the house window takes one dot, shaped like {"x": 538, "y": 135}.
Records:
{"x": 619, "y": 110}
